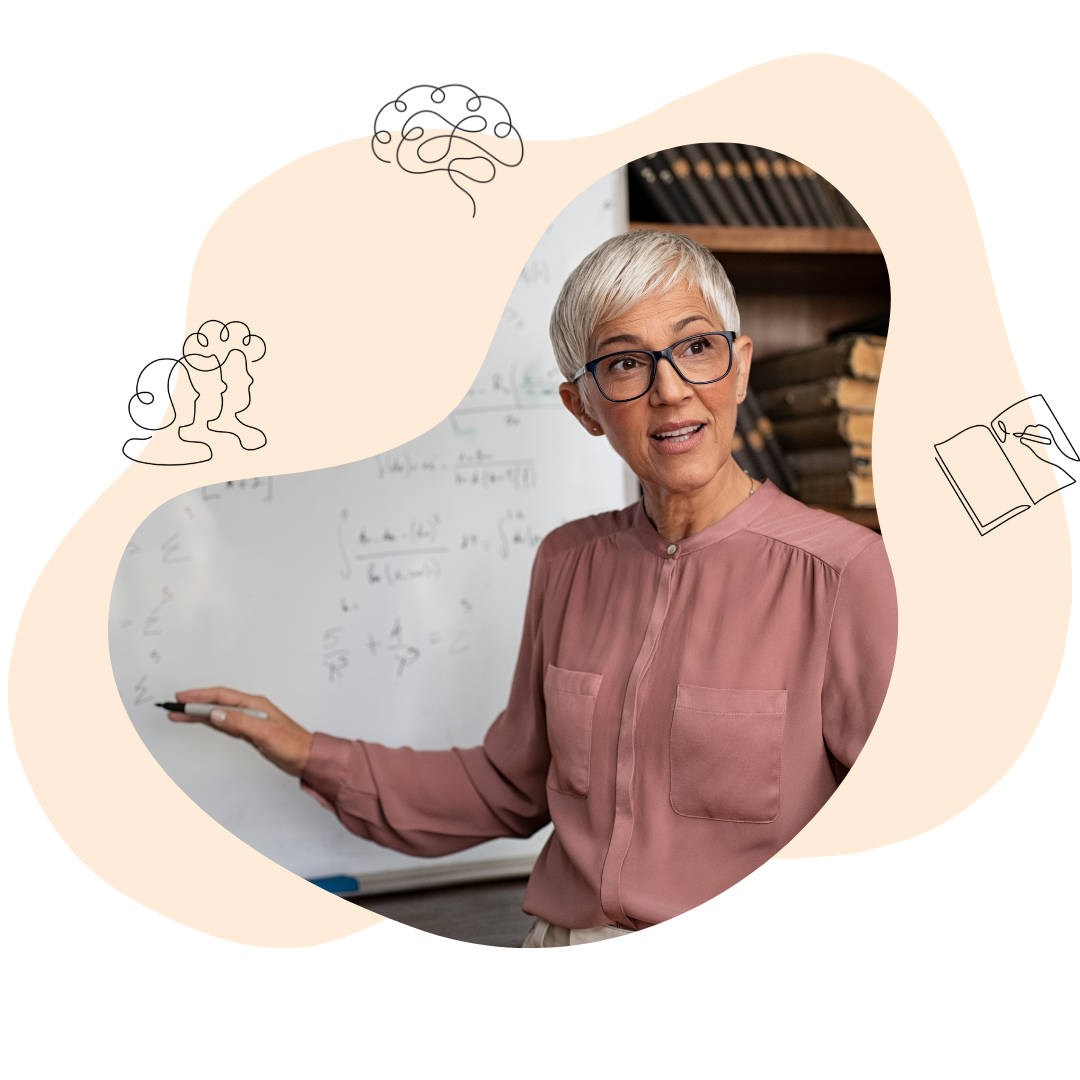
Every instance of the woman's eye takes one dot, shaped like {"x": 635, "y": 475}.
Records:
{"x": 625, "y": 363}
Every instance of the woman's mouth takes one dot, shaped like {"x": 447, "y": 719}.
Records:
{"x": 675, "y": 440}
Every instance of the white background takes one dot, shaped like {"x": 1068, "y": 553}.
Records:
{"x": 128, "y": 128}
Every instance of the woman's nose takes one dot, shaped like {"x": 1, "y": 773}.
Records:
{"x": 668, "y": 386}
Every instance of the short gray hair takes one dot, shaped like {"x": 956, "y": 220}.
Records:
{"x": 621, "y": 272}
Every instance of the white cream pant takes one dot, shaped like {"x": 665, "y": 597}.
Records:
{"x": 543, "y": 935}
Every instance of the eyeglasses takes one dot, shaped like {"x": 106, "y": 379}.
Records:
{"x": 624, "y": 376}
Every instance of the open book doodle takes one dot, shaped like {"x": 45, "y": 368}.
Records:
{"x": 1002, "y": 470}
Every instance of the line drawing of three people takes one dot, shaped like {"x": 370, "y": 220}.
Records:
{"x": 208, "y": 388}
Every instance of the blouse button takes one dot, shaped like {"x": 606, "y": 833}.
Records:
{"x": 672, "y": 548}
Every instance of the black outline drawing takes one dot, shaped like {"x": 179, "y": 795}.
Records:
{"x": 198, "y": 346}
{"x": 472, "y": 121}
{"x": 1041, "y": 435}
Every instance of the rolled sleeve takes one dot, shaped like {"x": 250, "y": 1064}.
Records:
{"x": 326, "y": 769}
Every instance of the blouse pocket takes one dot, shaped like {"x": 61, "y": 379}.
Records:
{"x": 725, "y": 753}
{"x": 569, "y": 700}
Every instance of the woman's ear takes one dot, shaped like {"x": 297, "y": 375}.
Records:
{"x": 742, "y": 352}
{"x": 574, "y": 400}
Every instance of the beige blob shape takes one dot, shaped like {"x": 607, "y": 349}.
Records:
{"x": 332, "y": 257}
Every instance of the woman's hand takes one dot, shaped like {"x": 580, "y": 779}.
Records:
{"x": 278, "y": 738}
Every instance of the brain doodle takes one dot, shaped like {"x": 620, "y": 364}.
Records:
{"x": 426, "y": 129}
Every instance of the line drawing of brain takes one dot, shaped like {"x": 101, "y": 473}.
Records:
{"x": 455, "y": 111}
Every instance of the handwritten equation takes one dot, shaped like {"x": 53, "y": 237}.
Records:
{"x": 477, "y": 468}
{"x": 406, "y": 551}
{"x": 389, "y": 645}
{"x": 523, "y": 387}
{"x": 153, "y": 620}
{"x": 260, "y": 488}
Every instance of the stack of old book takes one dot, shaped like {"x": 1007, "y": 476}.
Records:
{"x": 756, "y": 450}
{"x": 820, "y": 402}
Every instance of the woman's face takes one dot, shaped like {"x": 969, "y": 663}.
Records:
{"x": 677, "y": 437}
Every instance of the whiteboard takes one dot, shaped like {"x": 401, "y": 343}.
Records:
{"x": 383, "y": 599}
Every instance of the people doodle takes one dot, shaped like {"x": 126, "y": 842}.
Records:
{"x": 208, "y": 388}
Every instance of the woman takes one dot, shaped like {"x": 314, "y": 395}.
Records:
{"x": 690, "y": 668}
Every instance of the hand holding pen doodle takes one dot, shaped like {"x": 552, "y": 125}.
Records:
{"x": 1039, "y": 439}
{"x": 998, "y": 471}
{"x": 250, "y": 717}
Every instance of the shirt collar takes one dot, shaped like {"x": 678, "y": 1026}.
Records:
{"x": 739, "y": 518}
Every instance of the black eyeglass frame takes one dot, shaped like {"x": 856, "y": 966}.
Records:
{"x": 657, "y": 355}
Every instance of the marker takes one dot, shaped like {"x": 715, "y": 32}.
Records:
{"x": 193, "y": 708}
{"x": 1032, "y": 437}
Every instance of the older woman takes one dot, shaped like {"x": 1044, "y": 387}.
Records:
{"x": 691, "y": 668}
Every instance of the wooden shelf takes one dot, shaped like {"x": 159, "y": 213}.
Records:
{"x": 764, "y": 240}
{"x": 794, "y": 285}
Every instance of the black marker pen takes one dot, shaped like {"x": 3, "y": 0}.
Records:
{"x": 193, "y": 708}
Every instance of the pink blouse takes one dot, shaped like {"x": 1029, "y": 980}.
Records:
{"x": 670, "y": 712}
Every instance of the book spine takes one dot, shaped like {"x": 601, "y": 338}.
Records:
{"x": 830, "y": 429}
{"x": 833, "y": 459}
{"x": 789, "y": 189}
{"x": 797, "y": 171}
{"x": 741, "y": 453}
{"x": 684, "y": 173}
{"x": 844, "y": 208}
{"x": 832, "y": 196}
{"x": 766, "y": 462}
{"x": 751, "y": 441}
{"x": 824, "y": 395}
{"x": 763, "y": 172}
{"x": 855, "y": 217}
{"x": 826, "y": 211}
{"x": 725, "y": 173}
{"x": 655, "y": 190}
{"x": 857, "y": 355}
{"x": 687, "y": 216}
{"x": 711, "y": 185}
{"x": 745, "y": 172}
{"x": 782, "y": 475}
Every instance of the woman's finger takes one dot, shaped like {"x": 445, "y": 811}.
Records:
{"x": 277, "y": 737}
{"x": 220, "y": 695}
{"x": 236, "y": 723}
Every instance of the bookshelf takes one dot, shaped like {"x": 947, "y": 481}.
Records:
{"x": 804, "y": 266}
{"x": 794, "y": 285}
